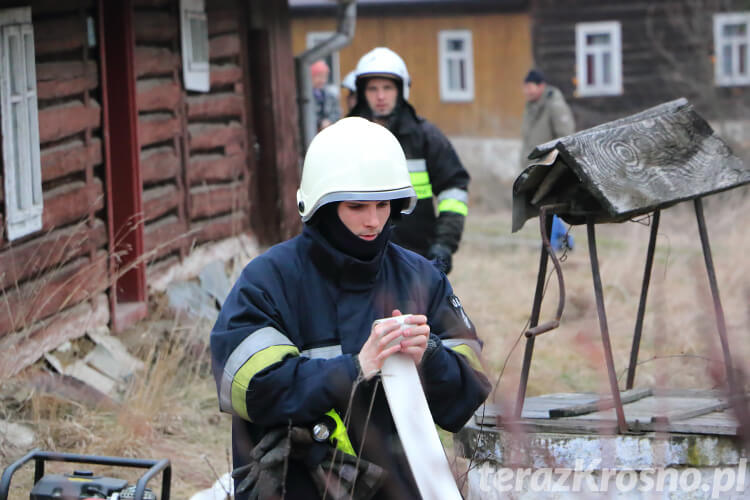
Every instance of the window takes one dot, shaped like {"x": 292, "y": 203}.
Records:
{"x": 731, "y": 41}
{"x": 195, "y": 63}
{"x": 332, "y": 60}
{"x": 20, "y": 124}
{"x": 598, "y": 58}
{"x": 456, "y": 65}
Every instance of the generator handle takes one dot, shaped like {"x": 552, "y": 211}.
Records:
{"x": 153, "y": 466}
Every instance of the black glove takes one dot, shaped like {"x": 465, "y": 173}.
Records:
{"x": 441, "y": 257}
{"x": 339, "y": 472}
{"x": 333, "y": 472}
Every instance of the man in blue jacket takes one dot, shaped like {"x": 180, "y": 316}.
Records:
{"x": 296, "y": 344}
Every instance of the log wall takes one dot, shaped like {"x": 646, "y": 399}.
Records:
{"x": 66, "y": 262}
{"x": 194, "y": 162}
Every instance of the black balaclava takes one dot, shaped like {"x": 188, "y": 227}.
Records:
{"x": 330, "y": 226}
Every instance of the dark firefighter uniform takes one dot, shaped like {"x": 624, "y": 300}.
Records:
{"x": 284, "y": 344}
{"x": 438, "y": 177}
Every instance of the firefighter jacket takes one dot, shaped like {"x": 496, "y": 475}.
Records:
{"x": 438, "y": 177}
{"x": 283, "y": 350}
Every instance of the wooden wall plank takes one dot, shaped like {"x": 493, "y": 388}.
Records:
{"x": 154, "y": 26}
{"x": 214, "y": 199}
{"x": 222, "y": 21}
{"x": 158, "y": 164}
{"x": 155, "y": 61}
{"x": 164, "y": 236}
{"x": 223, "y": 46}
{"x": 68, "y": 158}
{"x": 55, "y": 89}
{"x": 154, "y": 95}
{"x": 210, "y": 136}
{"x": 68, "y": 119}
{"x": 64, "y": 70}
{"x": 58, "y": 34}
{"x": 215, "y": 168}
{"x": 223, "y": 74}
{"x": 215, "y": 106}
{"x": 39, "y": 254}
{"x": 71, "y": 202}
{"x": 158, "y": 201}
{"x": 157, "y": 128}
{"x": 77, "y": 280}
{"x": 218, "y": 228}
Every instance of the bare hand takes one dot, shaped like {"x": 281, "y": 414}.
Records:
{"x": 375, "y": 350}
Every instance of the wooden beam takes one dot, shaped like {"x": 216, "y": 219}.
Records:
{"x": 275, "y": 119}
{"x": 122, "y": 149}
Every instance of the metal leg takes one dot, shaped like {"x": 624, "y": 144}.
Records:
{"x": 533, "y": 321}
{"x": 720, "y": 322}
{"x": 621, "y": 423}
{"x": 642, "y": 303}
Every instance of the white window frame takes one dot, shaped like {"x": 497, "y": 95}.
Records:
{"x": 197, "y": 74}
{"x": 21, "y": 158}
{"x": 445, "y": 56}
{"x": 314, "y": 38}
{"x": 599, "y": 87}
{"x": 720, "y": 42}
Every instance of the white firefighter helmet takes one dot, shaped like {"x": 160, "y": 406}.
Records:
{"x": 349, "y": 82}
{"x": 354, "y": 159}
{"x": 382, "y": 61}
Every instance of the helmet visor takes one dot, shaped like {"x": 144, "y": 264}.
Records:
{"x": 406, "y": 192}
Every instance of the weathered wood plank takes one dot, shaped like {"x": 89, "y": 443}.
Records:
{"x": 215, "y": 168}
{"x": 68, "y": 119}
{"x": 158, "y": 164}
{"x": 224, "y": 74}
{"x": 34, "y": 257}
{"x": 73, "y": 156}
{"x": 209, "y": 200}
{"x": 157, "y": 128}
{"x": 222, "y": 21}
{"x": 155, "y": 61}
{"x": 159, "y": 200}
{"x": 600, "y": 404}
{"x": 66, "y": 286}
{"x": 64, "y": 70}
{"x": 59, "y": 34}
{"x": 55, "y": 89}
{"x": 154, "y": 26}
{"x": 215, "y": 106}
{"x": 205, "y": 137}
{"x": 158, "y": 94}
{"x": 71, "y": 202}
{"x": 163, "y": 236}
{"x": 22, "y": 349}
{"x": 218, "y": 228}
{"x": 224, "y": 46}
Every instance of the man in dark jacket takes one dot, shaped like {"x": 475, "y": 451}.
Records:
{"x": 437, "y": 174}
{"x": 296, "y": 339}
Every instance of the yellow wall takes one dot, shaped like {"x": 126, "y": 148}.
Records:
{"x": 502, "y": 56}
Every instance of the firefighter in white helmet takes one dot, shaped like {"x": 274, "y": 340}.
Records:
{"x": 295, "y": 351}
{"x": 351, "y": 90}
{"x": 437, "y": 174}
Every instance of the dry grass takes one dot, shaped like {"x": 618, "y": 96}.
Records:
{"x": 495, "y": 275}
{"x": 170, "y": 410}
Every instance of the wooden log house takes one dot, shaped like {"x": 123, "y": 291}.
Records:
{"x": 163, "y": 125}
{"x": 612, "y": 59}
